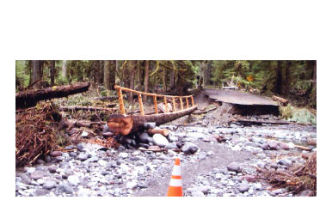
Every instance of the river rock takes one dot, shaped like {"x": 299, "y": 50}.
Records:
{"x": 149, "y": 125}
{"x": 235, "y": 167}
{"x": 80, "y": 147}
{"x": 306, "y": 193}
{"x": 284, "y": 146}
{"x": 66, "y": 188}
{"x": 145, "y": 138}
{"x": 37, "y": 175}
{"x": 244, "y": 187}
{"x": 56, "y": 153}
{"x": 189, "y": 148}
{"x": 84, "y": 134}
{"x": 123, "y": 155}
{"x": 160, "y": 140}
{"x": 107, "y": 134}
{"x": 73, "y": 180}
{"x": 171, "y": 146}
{"x": 105, "y": 128}
{"x": 41, "y": 192}
{"x": 25, "y": 179}
{"x": 285, "y": 162}
{"x": 52, "y": 169}
{"x": 83, "y": 156}
{"x": 49, "y": 184}
{"x": 273, "y": 145}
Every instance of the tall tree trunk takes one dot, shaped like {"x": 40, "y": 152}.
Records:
{"x": 64, "y": 69}
{"x": 172, "y": 79}
{"x": 146, "y": 78}
{"x": 287, "y": 82}
{"x": 112, "y": 77}
{"x": 106, "y": 74}
{"x": 206, "y": 74}
{"x": 279, "y": 78}
{"x": 131, "y": 77}
{"x": 138, "y": 69}
{"x": 52, "y": 71}
{"x": 30, "y": 72}
{"x": 35, "y": 71}
{"x": 164, "y": 82}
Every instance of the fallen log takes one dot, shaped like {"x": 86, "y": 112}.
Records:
{"x": 30, "y": 98}
{"x": 125, "y": 124}
{"x": 164, "y": 132}
{"x": 88, "y": 108}
{"x": 72, "y": 123}
{"x": 200, "y": 112}
{"x": 280, "y": 99}
{"x": 245, "y": 121}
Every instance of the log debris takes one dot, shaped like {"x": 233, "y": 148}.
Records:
{"x": 88, "y": 108}
{"x": 164, "y": 132}
{"x": 125, "y": 124}
{"x": 283, "y": 101}
{"x": 30, "y": 98}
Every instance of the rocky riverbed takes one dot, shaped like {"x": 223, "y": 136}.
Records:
{"x": 209, "y": 168}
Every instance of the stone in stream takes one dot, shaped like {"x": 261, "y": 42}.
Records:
{"x": 244, "y": 187}
{"x": 83, "y": 156}
{"x": 41, "y": 192}
{"x": 149, "y": 125}
{"x": 49, "y": 184}
{"x": 52, "y": 169}
{"x": 40, "y": 161}
{"x": 105, "y": 128}
{"x": 285, "y": 162}
{"x": 56, "y": 153}
{"x": 284, "y": 146}
{"x": 80, "y": 147}
{"x": 65, "y": 188}
{"x": 145, "y": 138}
{"x": 73, "y": 180}
{"x": 107, "y": 134}
{"x": 235, "y": 167}
{"x": 189, "y": 148}
{"x": 273, "y": 145}
{"x": 171, "y": 146}
{"x": 37, "y": 175}
{"x": 306, "y": 193}
{"x": 25, "y": 179}
{"x": 160, "y": 140}
{"x": 84, "y": 134}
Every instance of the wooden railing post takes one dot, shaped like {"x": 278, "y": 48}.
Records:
{"x": 187, "y": 102}
{"x": 181, "y": 103}
{"x": 165, "y": 104}
{"x": 155, "y": 104}
{"x": 192, "y": 101}
{"x": 174, "y": 104}
{"x": 140, "y": 104}
{"x": 121, "y": 104}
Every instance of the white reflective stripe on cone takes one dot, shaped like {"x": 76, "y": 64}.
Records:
{"x": 176, "y": 170}
{"x": 175, "y": 182}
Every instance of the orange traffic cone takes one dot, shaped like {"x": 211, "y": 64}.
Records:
{"x": 175, "y": 185}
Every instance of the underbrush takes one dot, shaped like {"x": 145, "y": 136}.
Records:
{"x": 300, "y": 115}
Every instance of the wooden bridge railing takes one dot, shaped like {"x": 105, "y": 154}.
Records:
{"x": 155, "y": 96}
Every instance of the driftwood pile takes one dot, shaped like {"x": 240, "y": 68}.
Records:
{"x": 296, "y": 179}
{"x": 36, "y": 129}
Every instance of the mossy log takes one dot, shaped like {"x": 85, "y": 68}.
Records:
{"x": 30, "y": 98}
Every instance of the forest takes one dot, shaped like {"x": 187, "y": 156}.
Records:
{"x": 295, "y": 80}
{"x": 115, "y": 128}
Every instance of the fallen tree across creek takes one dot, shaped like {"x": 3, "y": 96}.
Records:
{"x": 125, "y": 124}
